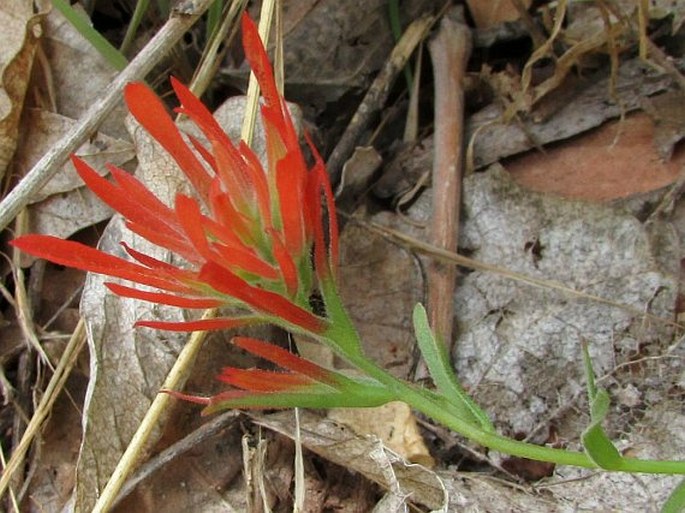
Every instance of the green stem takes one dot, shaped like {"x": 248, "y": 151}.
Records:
{"x": 423, "y": 402}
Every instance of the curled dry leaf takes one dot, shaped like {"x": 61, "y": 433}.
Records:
{"x": 393, "y": 423}
{"x": 21, "y": 31}
{"x": 365, "y": 455}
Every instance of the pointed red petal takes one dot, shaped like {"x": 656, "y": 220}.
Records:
{"x": 80, "y": 256}
{"x": 286, "y": 359}
{"x": 259, "y": 299}
{"x": 259, "y": 61}
{"x": 148, "y": 109}
{"x": 163, "y": 299}
{"x": 193, "y": 107}
{"x": 220, "y": 323}
{"x": 285, "y": 263}
{"x": 291, "y": 199}
{"x": 259, "y": 181}
{"x": 204, "y": 152}
{"x": 325, "y": 258}
{"x": 146, "y": 214}
{"x": 259, "y": 380}
{"x": 197, "y": 399}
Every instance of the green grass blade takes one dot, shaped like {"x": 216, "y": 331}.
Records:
{"x": 82, "y": 25}
{"x": 597, "y": 444}
{"x": 132, "y": 29}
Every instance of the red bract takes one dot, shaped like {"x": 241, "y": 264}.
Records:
{"x": 248, "y": 246}
{"x": 299, "y": 383}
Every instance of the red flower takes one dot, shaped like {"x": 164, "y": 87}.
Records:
{"x": 249, "y": 246}
{"x": 301, "y": 384}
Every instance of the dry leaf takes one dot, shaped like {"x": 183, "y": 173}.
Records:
{"x": 21, "y": 31}
{"x": 380, "y": 283}
{"x": 331, "y": 47}
{"x": 393, "y": 424}
{"x": 668, "y": 113}
{"x": 614, "y": 161}
{"x": 78, "y": 74}
{"x": 360, "y": 454}
{"x": 64, "y": 206}
{"x": 43, "y": 129}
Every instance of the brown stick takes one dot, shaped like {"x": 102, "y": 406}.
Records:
{"x": 450, "y": 51}
{"x": 178, "y": 24}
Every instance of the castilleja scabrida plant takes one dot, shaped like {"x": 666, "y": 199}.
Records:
{"x": 256, "y": 241}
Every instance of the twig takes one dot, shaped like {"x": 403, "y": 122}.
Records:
{"x": 450, "y": 51}
{"x": 377, "y": 94}
{"x": 46, "y": 167}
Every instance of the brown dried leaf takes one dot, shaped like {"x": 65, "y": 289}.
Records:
{"x": 614, "y": 161}
{"x": 668, "y": 113}
{"x": 333, "y": 47}
{"x": 394, "y": 424}
{"x": 21, "y": 31}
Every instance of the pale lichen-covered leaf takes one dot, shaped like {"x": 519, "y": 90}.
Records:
{"x": 78, "y": 74}
{"x": 518, "y": 348}
{"x": 21, "y": 31}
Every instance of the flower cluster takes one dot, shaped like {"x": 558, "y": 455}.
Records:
{"x": 255, "y": 239}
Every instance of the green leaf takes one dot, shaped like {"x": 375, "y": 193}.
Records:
{"x": 676, "y": 501}
{"x": 438, "y": 362}
{"x": 367, "y": 395}
{"x": 597, "y": 444}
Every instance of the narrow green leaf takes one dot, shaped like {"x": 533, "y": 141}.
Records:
{"x": 133, "y": 24}
{"x": 438, "y": 362}
{"x": 82, "y": 25}
{"x": 676, "y": 501}
{"x": 597, "y": 444}
{"x": 314, "y": 396}
{"x": 214, "y": 17}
